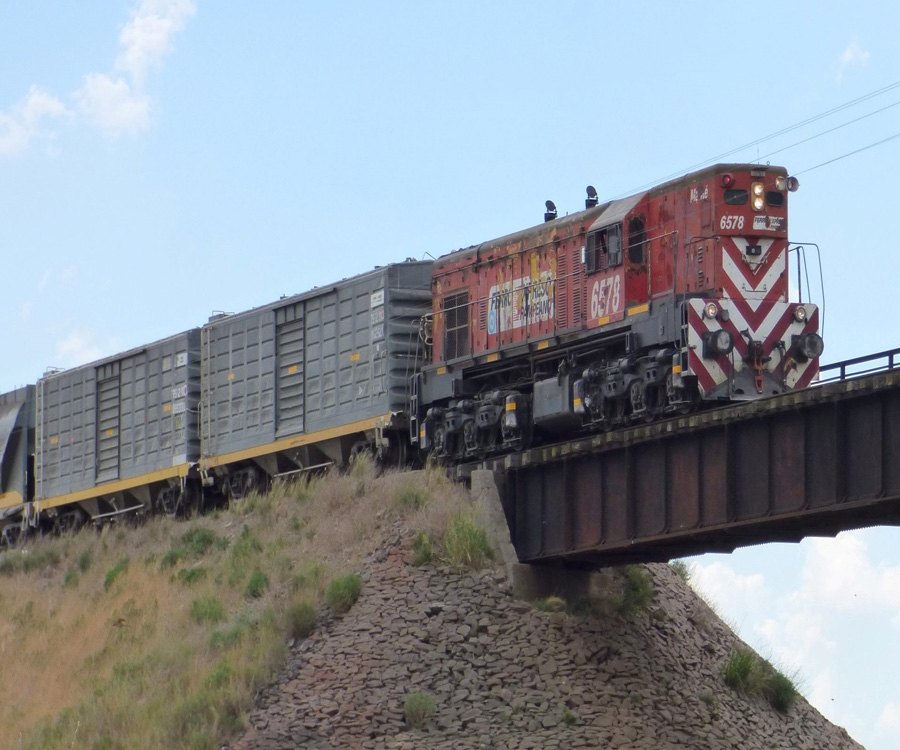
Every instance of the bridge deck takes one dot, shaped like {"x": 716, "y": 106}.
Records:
{"x": 807, "y": 463}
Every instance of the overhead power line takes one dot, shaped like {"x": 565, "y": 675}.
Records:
{"x": 788, "y": 129}
{"x": 850, "y": 153}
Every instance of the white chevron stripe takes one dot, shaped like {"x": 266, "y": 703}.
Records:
{"x": 771, "y": 320}
{"x": 755, "y": 295}
{"x": 767, "y": 325}
{"x": 754, "y": 262}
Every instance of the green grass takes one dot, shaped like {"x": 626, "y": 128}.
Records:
{"x": 465, "y": 543}
{"x": 197, "y": 541}
{"x": 742, "y": 671}
{"x": 300, "y": 619}
{"x": 27, "y": 560}
{"x": 343, "y": 592}
{"x": 207, "y": 609}
{"x": 113, "y": 573}
{"x": 748, "y": 673}
{"x": 551, "y": 604}
{"x": 682, "y": 569}
{"x": 84, "y": 561}
{"x": 413, "y": 497}
{"x": 423, "y": 549}
{"x": 189, "y": 576}
{"x": 418, "y": 708}
{"x": 637, "y": 593}
{"x": 257, "y": 585}
{"x": 780, "y": 690}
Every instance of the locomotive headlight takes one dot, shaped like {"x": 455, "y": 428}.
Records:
{"x": 711, "y": 310}
{"x": 716, "y": 343}
{"x": 808, "y": 346}
{"x": 787, "y": 183}
{"x": 758, "y": 190}
{"x": 800, "y": 314}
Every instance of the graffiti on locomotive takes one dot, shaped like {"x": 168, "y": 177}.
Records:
{"x": 522, "y": 301}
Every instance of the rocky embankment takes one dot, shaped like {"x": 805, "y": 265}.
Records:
{"x": 505, "y": 675}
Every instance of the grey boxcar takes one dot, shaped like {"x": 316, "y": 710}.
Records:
{"x": 306, "y": 379}
{"x": 113, "y": 434}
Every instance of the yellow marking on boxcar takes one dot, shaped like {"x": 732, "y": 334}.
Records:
{"x": 638, "y": 309}
{"x": 110, "y": 432}
{"x": 167, "y": 408}
{"x": 108, "y": 488}
{"x": 11, "y": 499}
{"x": 292, "y": 369}
{"x": 54, "y": 440}
{"x": 230, "y": 376}
{"x": 493, "y": 357}
{"x": 543, "y": 345}
{"x": 354, "y": 357}
{"x": 441, "y": 370}
{"x": 294, "y": 441}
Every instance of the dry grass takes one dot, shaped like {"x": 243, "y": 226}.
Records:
{"x": 96, "y": 652}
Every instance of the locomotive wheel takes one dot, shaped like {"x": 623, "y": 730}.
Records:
{"x": 636, "y": 397}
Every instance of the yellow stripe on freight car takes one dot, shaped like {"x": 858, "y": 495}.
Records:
{"x": 294, "y": 441}
{"x": 11, "y": 499}
{"x": 109, "y": 488}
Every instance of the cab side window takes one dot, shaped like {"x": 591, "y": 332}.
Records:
{"x": 604, "y": 249}
{"x": 637, "y": 240}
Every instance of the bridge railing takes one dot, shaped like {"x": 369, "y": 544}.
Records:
{"x": 859, "y": 366}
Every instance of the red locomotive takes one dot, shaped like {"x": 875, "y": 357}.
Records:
{"x": 624, "y": 312}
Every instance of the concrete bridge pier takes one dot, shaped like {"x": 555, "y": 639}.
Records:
{"x": 529, "y": 582}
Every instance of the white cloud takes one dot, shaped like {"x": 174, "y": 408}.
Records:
{"x": 45, "y": 279}
{"x": 77, "y": 348}
{"x": 113, "y": 105}
{"x": 25, "y": 121}
{"x": 839, "y": 575}
{"x": 146, "y": 38}
{"x": 889, "y": 720}
{"x": 854, "y": 56}
{"x": 723, "y": 586}
{"x": 117, "y": 104}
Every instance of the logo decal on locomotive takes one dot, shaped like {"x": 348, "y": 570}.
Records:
{"x": 521, "y": 301}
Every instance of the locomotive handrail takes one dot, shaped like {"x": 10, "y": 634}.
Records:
{"x": 893, "y": 361}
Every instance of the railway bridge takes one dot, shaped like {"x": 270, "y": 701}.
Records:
{"x": 807, "y": 463}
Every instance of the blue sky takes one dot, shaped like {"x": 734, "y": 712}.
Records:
{"x": 164, "y": 159}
